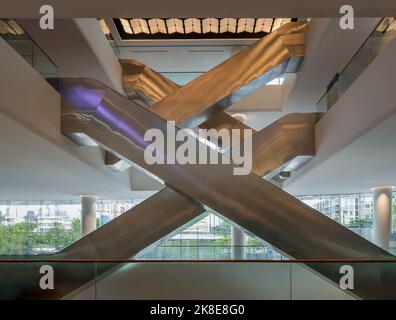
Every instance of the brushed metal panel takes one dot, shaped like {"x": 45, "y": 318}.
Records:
{"x": 234, "y": 78}
{"x": 142, "y": 83}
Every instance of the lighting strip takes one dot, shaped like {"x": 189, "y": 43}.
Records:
{"x": 197, "y": 28}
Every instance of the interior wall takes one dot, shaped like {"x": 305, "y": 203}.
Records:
{"x": 21, "y": 97}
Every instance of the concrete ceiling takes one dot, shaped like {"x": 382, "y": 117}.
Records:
{"x": 202, "y": 8}
{"x": 33, "y": 168}
{"x": 367, "y": 162}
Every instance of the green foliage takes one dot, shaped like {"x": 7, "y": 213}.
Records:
{"x": 360, "y": 223}
{"x": 394, "y": 217}
{"x": 254, "y": 242}
{"x": 23, "y": 238}
{"x": 224, "y": 241}
{"x": 223, "y": 228}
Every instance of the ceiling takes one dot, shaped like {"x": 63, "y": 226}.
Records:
{"x": 33, "y": 168}
{"x": 202, "y": 8}
{"x": 193, "y": 28}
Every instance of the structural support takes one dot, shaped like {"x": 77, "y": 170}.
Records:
{"x": 238, "y": 243}
{"x": 238, "y": 237}
{"x": 382, "y": 215}
{"x": 88, "y": 214}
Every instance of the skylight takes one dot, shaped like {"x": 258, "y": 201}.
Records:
{"x": 195, "y": 28}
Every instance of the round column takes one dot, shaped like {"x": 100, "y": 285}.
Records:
{"x": 238, "y": 237}
{"x": 238, "y": 242}
{"x": 382, "y": 215}
{"x": 88, "y": 214}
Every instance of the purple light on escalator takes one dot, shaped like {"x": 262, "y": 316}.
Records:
{"x": 72, "y": 94}
{"x": 121, "y": 126}
{"x": 81, "y": 97}
{"x": 91, "y": 97}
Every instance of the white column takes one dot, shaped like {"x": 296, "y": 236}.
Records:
{"x": 382, "y": 215}
{"x": 238, "y": 237}
{"x": 238, "y": 242}
{"x": 88, "y": 214}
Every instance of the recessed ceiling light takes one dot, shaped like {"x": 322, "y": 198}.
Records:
{"x": 210, "y": 25}
{"x": 263, "y": 25}
{"x": 139, "y": 26}
{"x": 157, "y": 25}
{"x": 126, "y": 26}
{"x": 104, "y": 26}
{"x": 245, "y": 25}
{"x": 228, "y": 25}
{"x": 192, "y": 25}
{"x": 5, "y": 28}
{"x": 175, "y": 25}
{"x": 280, "y": 22}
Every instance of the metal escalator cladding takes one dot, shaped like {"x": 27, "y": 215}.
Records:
{"x": 236, "y": 77}
{"x": 255, "y": 204}
{"x": 142, "y": 83}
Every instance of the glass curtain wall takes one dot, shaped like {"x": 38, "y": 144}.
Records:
{"x": 42, "y": 227}
{"x": 207, "y": 239}
{"x": 45, "y": 227}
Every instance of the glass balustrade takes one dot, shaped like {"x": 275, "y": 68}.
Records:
{"x": 20, "y": 41}
{"x": 374, "y": 45}
{"x": 131, "y": 279}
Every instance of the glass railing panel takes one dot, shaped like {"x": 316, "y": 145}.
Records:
{"x": 20, "y": 41}
{"x": 307, "y": 284}
{"x": 134, "y": 279}
{"x": 194, "y": 280}
{"x": 373, "y": 46}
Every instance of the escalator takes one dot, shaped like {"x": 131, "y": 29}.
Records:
{"x": 119, "y": 125}
{"x": 148, "y": 87}
{"x": 270, "y": 57}
{"x": 120, "y": 239}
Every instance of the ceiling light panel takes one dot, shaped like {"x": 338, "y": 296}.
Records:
{"x": 210, "y": 25}
{"x": 5, "y": 28}
{"x": 175, "y": 25}
{"x": 245, "y": 25}
{"x": 157, "y": 26}
{"x": 192, "y": 25}
{"x": 104, "y": 26}
{"x": 139, "y": 26}
{"x": 228, "y": 25}
{"x": 263, "y": 25}
{"x": 190, "y": 28}
{"x": 126, "y": 26}
{"x": 280, "y": 22}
